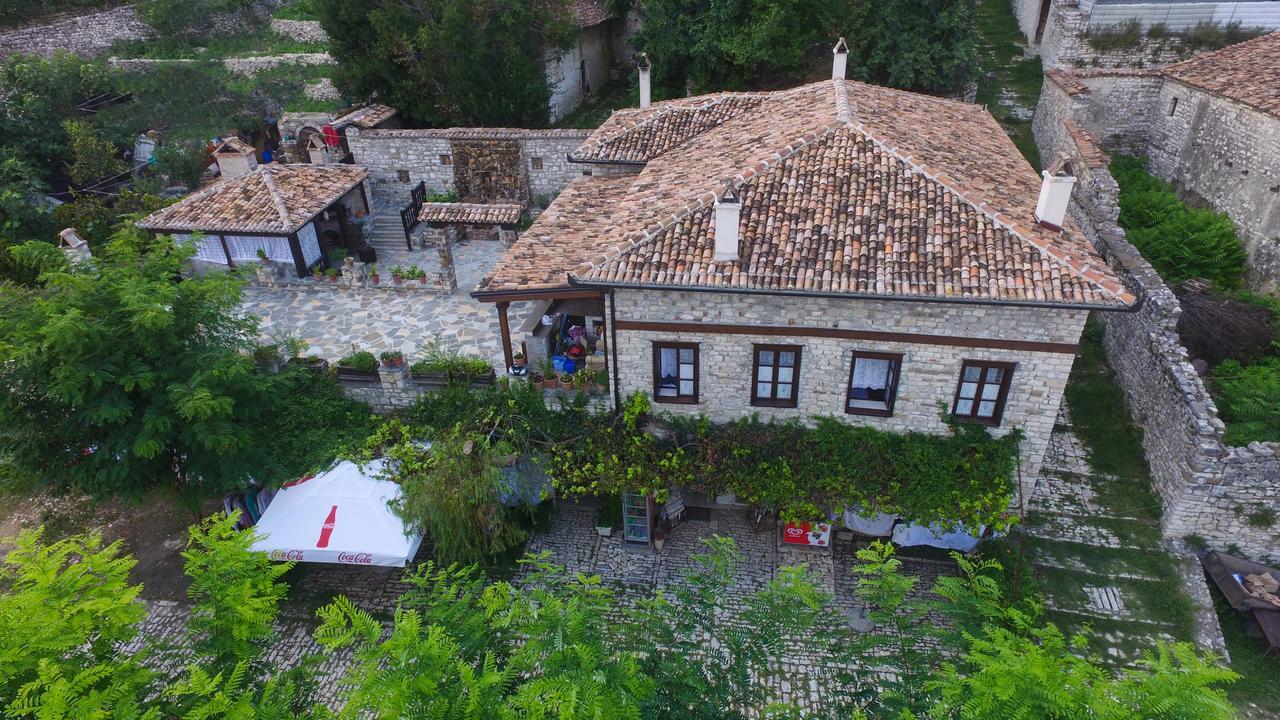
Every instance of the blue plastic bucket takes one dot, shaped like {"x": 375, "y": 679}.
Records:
{"x": 557, "y": 362}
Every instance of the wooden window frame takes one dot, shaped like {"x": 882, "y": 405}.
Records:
{"x": 535, "y": 163}
{"x": 896, "y": 359}
{"x": 795, "y": 376}
{"x": 658, "y": 347}
{"x": 1006, "y": 381}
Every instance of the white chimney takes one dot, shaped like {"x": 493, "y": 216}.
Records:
{"x": 728, "y": 212}
{"x": 1055, "y": 193}
{"x": 644, "y": 67}
{"x": 839, "y": 59}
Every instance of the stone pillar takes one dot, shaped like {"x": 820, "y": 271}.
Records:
{"x": 448, "y": 273}
{"x": 394, "y": 378}
{"x": 352, "y": 272}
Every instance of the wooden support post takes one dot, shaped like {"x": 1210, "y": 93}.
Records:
{"x": 506, "y": 333}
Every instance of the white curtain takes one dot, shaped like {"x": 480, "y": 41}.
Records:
{"x": 208, "y": 247}
{"x": 246, "y": 247}
{"x": 870, "y": 373}
{"x": 310, "y": 245}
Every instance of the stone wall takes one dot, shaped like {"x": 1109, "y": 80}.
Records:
{"x": 394, "y": 391}
{"x": 398, "y": 160}
{"x": 1207, "y": 488}
{"x": 87, "y": 34}
{"x": 1214, "y": 151}
{"x": 929, "y": 372}
{"x": 301, "y": 30}
{"x": 1064, "y": 43}
{"x": 589, "y": 59}
{"x": 1227, "y": 155}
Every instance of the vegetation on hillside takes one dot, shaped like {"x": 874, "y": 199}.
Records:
{"x": 457, "y": 62}
{"x": 1236, "y": 332}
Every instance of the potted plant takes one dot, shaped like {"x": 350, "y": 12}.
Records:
{"x": 392, "y": 359}
{"x": 475, "y": 371}
{"x": 262, "y": 258}
{"x": 374, "y": 277}
{"x": 566, "y": 382}
{"x": 602, "y": 381}
{"x": 430, "y": 372}
{"x": 359, "y": 366}
{"x": 397, "y": 275}
{"x": 332, "y": 274}
{"x": 581, "y": 381}
{"x": 266, "y": 356}
{"x": 537, "y": 379}
{"x": 519, "y": 359}
{"x": 608, "y": 515}
{"x": 317, "y": 274}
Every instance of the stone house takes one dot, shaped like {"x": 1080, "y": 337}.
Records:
{"x": 579, "y": 71}
{"x": 1057, "y": 29}
{"x": 300, "y": 131}
{"x": 835, "y": 249}
{"x": 1209, "y": 125}
{"x": 293, "y": 213}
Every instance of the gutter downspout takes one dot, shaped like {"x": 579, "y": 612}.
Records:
{"x": 613, "y": 349}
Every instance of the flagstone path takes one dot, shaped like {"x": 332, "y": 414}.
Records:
{"x": 333, "y": 320}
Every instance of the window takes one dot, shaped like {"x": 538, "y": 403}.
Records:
{"x": 776, "y": 373}
{"x": 675, "y": 372}
{"x": 873, "y": 384}
{"x": 535, "y": 163}
{"x": 402, "y": 176}
{"x": 982, "y": 391}
{"x": 446, "y": 160}
{"x": 1173, "y": 107}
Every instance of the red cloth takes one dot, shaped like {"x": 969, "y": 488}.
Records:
{"x": 331, "y": 136}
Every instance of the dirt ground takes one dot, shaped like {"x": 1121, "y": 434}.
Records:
{"x": 153, "y": 530}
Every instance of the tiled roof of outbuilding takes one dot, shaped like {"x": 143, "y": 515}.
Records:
{"x": 1248, "y": 72}
{"x": 634, "y": 136}
{"x": 274, "y": 199}
{"x": 589, "y": 12}
{"x": 367, "y": 117}
{"x": 847, "y": 189}
{"x": 470, "y": 213}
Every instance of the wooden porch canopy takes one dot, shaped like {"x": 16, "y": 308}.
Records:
{"x": 502, "y": 299}
{"x": 506, "y": 216}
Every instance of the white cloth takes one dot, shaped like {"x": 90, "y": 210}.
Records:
{"x": 310, "y": 246}
{"x": 907, "y": 534}
{"x": 208, "y": 247}
{"x": 877, "y": 525}
{"x": 338, "y": 516}
{"x": 871, "y": 373}
{"x": 245, "y": 247}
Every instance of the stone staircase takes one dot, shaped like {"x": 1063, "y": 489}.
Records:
{"x": 388, "y": 235}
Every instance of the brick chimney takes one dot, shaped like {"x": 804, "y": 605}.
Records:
{"x": 839, "y": 59}
{"x": 728, "y": 213}
{"x": 1055, "y": 193}
{"x": 642, "y": 64}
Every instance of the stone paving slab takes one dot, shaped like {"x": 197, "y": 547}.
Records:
{"x": 334, "y": 321}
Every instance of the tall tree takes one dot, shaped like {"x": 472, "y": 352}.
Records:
{"x": 706, "y": 45}
{"x": 449, "y": 62}
{"x": 118, "y": 377}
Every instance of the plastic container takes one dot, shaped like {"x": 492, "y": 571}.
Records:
{"x": 557, "y": 362}
{"x": 569, "y": 366}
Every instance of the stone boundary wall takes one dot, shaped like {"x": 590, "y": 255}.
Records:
{"x": 1213, "y": 150}
{"x": 1064, "y": 44}
{"x": 243, "y": 65}
{"x": 1208, "y": 489}
{"x": 84, "y": 34}
{"x": 397, "y": 160}
{"x": 301, "y": 30}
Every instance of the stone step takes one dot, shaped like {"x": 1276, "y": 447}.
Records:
{"x": 1078, "y": 530}
{"x": 1056, "y": 564}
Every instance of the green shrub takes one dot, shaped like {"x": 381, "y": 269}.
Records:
{"x": 297, "y": 10}
{"x": 363, "y": 361}
{"x": 1158, "y": 30}
{"x": 1115, "y": 37}
{"x": 1209, "y": 35}
{"x": 1248, "y": 398}
{"x": 1180, "y": 242}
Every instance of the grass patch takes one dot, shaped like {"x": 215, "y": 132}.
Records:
{"x": 297, "y": 10}
{"x": 1009, "y": 83}
{"x": 1099, "y": 414}
{"x": 594, "y": 110}
{"x": 1153, "y": 563}
{"x": 1155, "y": 601}
{"x": 263, "y": 42}
{"x": 1110, "y": 640}
{"x": 1258, "y": 671}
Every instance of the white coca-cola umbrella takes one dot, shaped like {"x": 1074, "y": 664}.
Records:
{"x": 338, "y": 516}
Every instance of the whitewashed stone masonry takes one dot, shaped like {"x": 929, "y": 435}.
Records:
{"x": 929, "y": 372}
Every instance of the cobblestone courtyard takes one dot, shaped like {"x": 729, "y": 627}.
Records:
{"x": 333, "y": 319}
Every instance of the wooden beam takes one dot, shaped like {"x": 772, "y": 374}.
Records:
{"x": 505, "y": 328}
{"x": 842, "y": 334}
{"x": 223, "y": 239}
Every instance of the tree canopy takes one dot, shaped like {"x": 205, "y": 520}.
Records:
{"x": 709, "y": 45}
{"x": 453, "y": 62}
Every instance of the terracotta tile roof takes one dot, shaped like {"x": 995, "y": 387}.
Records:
{"x": 367, "y": 117}
{"x": 589, "y": 12}
{"x": 641, "y": 135}
{"x": 275, "y": 199}
{"x": 847, "y": 188}
{"x": 470, "y": 213}
{"x": 1248, "y": 72}
{"x": 1085, "y": 141}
